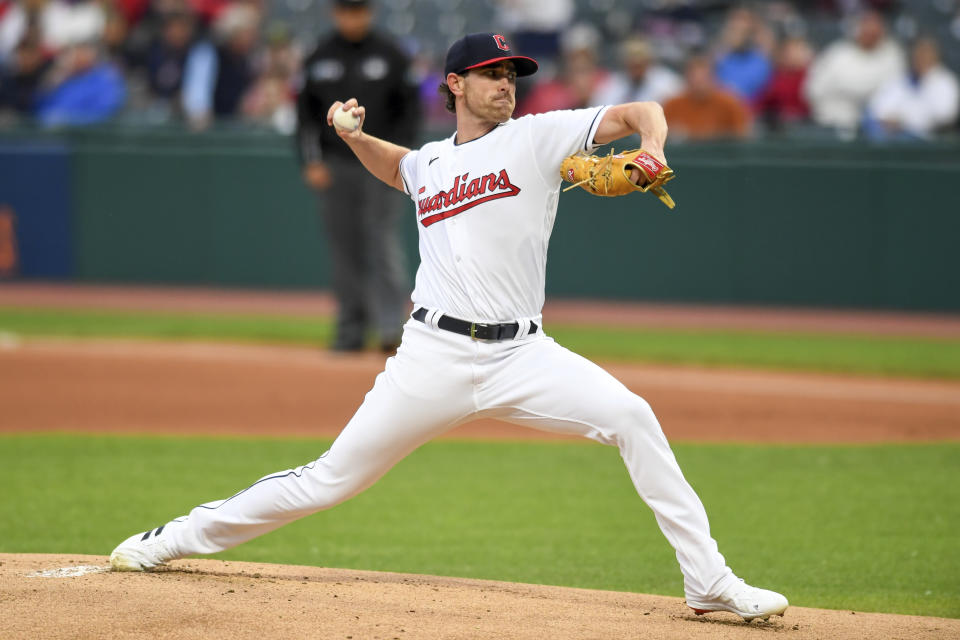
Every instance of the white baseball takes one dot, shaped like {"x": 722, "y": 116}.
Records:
{"x": 345, "y": 120}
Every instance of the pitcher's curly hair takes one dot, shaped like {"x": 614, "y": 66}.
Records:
{"x": 451, "y": 100}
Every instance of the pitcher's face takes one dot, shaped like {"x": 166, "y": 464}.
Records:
{"x": 490, "y": 93}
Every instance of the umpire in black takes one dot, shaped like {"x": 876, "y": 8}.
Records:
{"x": 360, "y": 212}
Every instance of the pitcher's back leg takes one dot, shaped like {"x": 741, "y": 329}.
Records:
{"x": 410, "y": 403}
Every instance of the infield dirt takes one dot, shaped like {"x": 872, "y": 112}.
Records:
{"x": 196, "y": 388}
{"x": 213, "y": 599}
{"x": 137, "y": 386}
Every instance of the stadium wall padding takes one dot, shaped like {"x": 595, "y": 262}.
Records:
{"x": 815, "y": 226}
{"x": 812, "y": 224}
{"x": 35, "y": 201}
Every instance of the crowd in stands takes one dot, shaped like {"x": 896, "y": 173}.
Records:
{"x": 76, "y": 62}
{"x": 720, "y": 69}
{"x": 759, "y": 73}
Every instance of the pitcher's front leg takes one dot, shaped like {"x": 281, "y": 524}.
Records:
{"x": 548, "y": 387}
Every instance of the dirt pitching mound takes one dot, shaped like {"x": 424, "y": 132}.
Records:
{"x": 61, "y": 596}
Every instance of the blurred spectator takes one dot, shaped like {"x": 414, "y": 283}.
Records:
{"x": 783, "y": 102}
{"x": 579, "y": 80}
{"x": 85, "y": 88}
{"x": 16, "y": 19}
{"x": 918, "y": 103}
{"x": 165, "y": 63}
{"x": 271, "y": 99}
{"x": 145, "y": 24}
{"x": 847, "y": 73}
{"x": 360, "y": 213}
{"x": 131, "y": 10}
{"x": 20, "y": 81}
{"x": 534, "y": 30}
{"x": 743, "y": 57}
{"x": 14, "y": 22}
{"x": 61, "y": 23}
{"x": 705, "y": 110}
{"x": 115, "y": 34}
{"x": 167, "y": 56}
{"x": 209, "y": 10}
{"x": 642, "y": 79}
{"x": 216, "y": 77}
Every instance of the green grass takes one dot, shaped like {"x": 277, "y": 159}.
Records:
{"x": 874, "y": 355}
{"x": 175, "y": 326}
{"x": 870, "y": 528}
{"x": 854, "y": 354}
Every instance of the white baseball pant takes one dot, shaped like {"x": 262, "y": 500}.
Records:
{"x": 438, "y": 380}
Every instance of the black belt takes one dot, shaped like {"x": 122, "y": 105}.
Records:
{"x": 476, "y": 330}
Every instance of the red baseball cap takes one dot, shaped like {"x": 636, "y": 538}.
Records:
{"x": 482, "y": 49}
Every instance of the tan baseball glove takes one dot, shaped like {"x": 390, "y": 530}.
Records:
{"x": 611, "y": 175}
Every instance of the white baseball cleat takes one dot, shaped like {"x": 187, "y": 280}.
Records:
{"x": 745, "y": 601}
{"x": 144, "y": 551}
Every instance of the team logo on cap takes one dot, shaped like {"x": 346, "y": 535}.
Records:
{"x": 501, "y": 42}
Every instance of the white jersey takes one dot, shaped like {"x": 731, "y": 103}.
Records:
{"x": 485, "y": 212}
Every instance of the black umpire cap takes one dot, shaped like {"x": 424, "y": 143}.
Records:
{"x": 351, "y": 3}
{"x": 480, "y": 49}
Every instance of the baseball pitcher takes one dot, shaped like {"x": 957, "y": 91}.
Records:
{"x": 485, "y": 200}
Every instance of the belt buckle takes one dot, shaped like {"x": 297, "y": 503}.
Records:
{"x": 483, "y": 325}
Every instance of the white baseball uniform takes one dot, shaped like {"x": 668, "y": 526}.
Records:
{"x": 485, "y": 210}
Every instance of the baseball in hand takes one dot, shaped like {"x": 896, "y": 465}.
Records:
{"x": 345, "y": 120}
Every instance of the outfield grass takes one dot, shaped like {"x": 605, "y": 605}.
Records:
{"x": 855, "y": 354}
{"x": 871, "y": 528}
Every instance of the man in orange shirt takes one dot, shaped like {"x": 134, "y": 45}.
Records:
{"x": 705, "y": 110}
